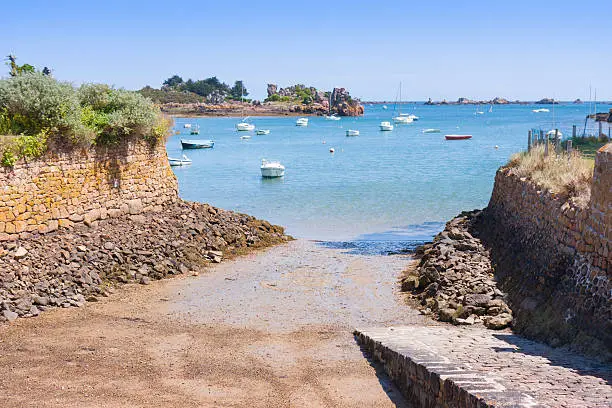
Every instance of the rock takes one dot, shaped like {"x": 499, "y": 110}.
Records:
{"x": 82, "y": 248}
{"x": 478, "y": 300}
{"x": 9, "y": 315}
{"x": 20, "y": 252}
{"x": 446, "y": 314}
{"x": 109, "y": 246}
{"x": 145, "y": 280}
{"x": 498, "y": 322}
{"x": 40, "y": 300}
{"x": 409, "y": 283}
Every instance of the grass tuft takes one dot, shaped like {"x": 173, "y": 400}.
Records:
{"x": 564, "y": 174}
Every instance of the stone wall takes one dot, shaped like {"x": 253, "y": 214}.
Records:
{"x": 75, "y": 185}
{"x": 554, "y": 258}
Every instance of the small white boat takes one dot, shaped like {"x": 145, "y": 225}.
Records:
{"x": 413, "y": 117}
{"x": 245, "y": 126}
{"x": 187, "y": 125}
{"x": 551, "y": 133}
{"x": 386, "y": 126}
{"x": 272, "y": 169}
{"x": 431, "y": 130}
{"x": 541, "y": 110}
{"x": 263, "y": 132}
{"x": 402, "y": 119}
{"x": 491, "y": 109}
{"x": 352, "y": 132}
{"x": 332, "y": 117}
{"x": 301, "y": 122}
{"x": 385, "y": 107}
{"x": 179, "y": 162}
{"x": 245, "y": 137}
{"x": 195, "y": 130}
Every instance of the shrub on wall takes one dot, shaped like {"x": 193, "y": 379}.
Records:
{"x": 38, "y": 107}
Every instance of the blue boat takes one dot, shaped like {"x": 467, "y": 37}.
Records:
{"x": 197, "y": 144}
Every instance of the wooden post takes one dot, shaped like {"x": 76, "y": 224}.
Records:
{"x": 546, "y": 146}
{"x": 529, "y": 141}
{"x": 569, "y": 147}
{"x": 557, "y": 142}
{"x": 573, "y": 131}
{"x": 600, "y": 129}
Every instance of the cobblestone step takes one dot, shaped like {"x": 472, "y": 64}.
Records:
{"x": 474, "y": 367}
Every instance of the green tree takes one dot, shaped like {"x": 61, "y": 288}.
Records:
{"x": 238, "y": 90}
{"x": 173, "y": 82}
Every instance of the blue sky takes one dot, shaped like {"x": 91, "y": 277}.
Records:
{"x": 444, "y": 49}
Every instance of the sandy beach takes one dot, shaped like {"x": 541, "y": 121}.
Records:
{"x": 269, "y": 329}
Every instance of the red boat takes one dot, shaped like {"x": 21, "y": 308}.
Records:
{"x": 457, "y": 137}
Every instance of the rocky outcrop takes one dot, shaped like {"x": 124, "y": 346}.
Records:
{"x": 73, "y": 265}
{"x": 344, "y": 105}
{"x": 547, "y": 101}
{"x": 454, "y": 281}
{"x": 272, "y": 90}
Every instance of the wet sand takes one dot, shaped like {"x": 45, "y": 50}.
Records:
{"x": 270, "y": 329}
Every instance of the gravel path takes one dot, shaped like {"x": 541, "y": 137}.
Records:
{"x": 270, "y": 329}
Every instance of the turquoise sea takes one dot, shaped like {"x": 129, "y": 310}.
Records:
{"x": 379, "y": 186}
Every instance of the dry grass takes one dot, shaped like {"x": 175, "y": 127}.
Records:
{"x": 570, "y": 175}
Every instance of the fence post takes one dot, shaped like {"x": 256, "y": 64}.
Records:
{"x": 573, "y": 131}
{"x": 600, "y": 129}
{"x": 557, "y": 142}
{"x": 569, "y": 147}
{"x": 546, "y": 146}
{"x": 529, "y": 141}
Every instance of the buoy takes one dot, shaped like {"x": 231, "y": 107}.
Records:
{"x": 331, "y": 150}
{"x": 324, "y": 142}
{"x": 496, "y": 146}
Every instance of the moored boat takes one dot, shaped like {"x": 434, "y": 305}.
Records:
{"x": 272, "y": 169}
{"x": 431, "y": 130}
{"x": 195, "y": 130}
{"x": 332, "y": 117}
{"x": 352, "y": 132}
{"x": 301, "y": 122}
{"x": 457, "y": 137}
{"x": 244, "y": 126}
{"x": 263, "y": 132}
{"x": 179, "y": 162}
{"x": 541, "y": 110}
{"x": 386, "y": 126}
{"x": 197, "y": 144}
{"x": 187, "y": 125}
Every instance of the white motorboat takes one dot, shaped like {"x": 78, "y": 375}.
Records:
{"x": 272, "y": 169}
{"x": 352, "y": 132}
{"x": 551, "y": 133}
{"x": 478, "y": 111}
{"x": 431, "y": 130}
{"x": 386, "y": 126}
{"x": 541, "y": 110}
{"x": 402, "y": 119}
{"x": 332, "y": 117}
{"x": 301, "y": 122}
{"x": 263, "y": 132}
{"x": 187, "y": 125}
{"x": 413, "y": 117}
{"x": 245, "y": 126}
{"x": 245, "y": 137}
{"x": 179, "y": 162}
{"x": 385, "y": 107}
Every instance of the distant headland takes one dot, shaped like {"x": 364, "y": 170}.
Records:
{"x": 211, "y": 97}
{"x": 494, "y": 101}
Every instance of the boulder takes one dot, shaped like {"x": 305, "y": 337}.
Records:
{"x": 499, "y": 322}
{"x": 20, "y": 252}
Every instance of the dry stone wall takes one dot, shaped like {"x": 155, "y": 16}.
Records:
{"x": 554, "y": 258}
{"x": 83, "y": 186}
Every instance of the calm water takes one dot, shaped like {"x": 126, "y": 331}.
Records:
{"x": 380, "y": 186}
